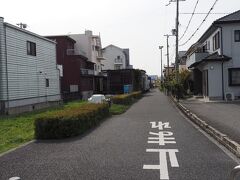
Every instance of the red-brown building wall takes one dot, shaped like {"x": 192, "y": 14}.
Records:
{"x": 72, "y": 65}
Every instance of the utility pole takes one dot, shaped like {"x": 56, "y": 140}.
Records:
{"x": 176, "y": 58}
{"x": 167, "y": 35}
{"x": 161, "y": 47}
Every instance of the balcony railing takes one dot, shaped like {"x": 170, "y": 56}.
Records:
{"x": 74, "y": 52}
{"x": 118, "y": 61}
{"x": 86, "y": 71}
{"x": 196, "y": 57}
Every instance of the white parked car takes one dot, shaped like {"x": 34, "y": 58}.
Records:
{"x": 98, "y": 98}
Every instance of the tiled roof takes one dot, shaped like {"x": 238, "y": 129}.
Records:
{"x": 215, "y": 56}
{"x": 210, "y": 58}
{"x": 231, "y": 17}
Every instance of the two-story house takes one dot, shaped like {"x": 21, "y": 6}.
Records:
{"x": 215, "y": 60}
{"x": 29, "y": 78}
{"x": 77, "y": 73}
{"x": 116, "y": 58}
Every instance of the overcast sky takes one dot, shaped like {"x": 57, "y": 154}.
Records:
{"x": 136, "y": 24}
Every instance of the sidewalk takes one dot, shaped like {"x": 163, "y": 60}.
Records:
{"x": 224, "y": 116}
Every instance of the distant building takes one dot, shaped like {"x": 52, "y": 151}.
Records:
{"x": 182, "y": 60}
{"x": 29, "y": 78}
{"x": 116, "y": 58}
{"x": 117, "y": 79}
{"x": 77, "y": 73}
{"x": 153, "y": 77}
{"x": 168, "y": 70}
{"x": 91, "y": 47}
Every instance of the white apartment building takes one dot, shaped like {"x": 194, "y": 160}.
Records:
{"x": 91, "y": 47}
{"x": 215, "y": 60}
{"x": 29, "y": 78}
{"x": 116, "y": 58}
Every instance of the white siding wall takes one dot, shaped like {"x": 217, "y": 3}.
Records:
{"x": 3, "y": 82}
{"x": 231, "y": 49}
{"x": 214, "y": 70}
{"x": 111, "y": 53}
{"x": 24, "y": 78}
{"x": 214, "y": 79}
{"x": 210, "y": 39}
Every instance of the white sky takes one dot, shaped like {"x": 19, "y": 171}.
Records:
{"x": 135, "y": 24}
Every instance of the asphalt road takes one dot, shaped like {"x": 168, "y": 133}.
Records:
{"x": 224, "y": 116}
{"x": 117, "y": 149}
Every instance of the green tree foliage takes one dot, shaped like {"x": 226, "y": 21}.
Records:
{"x": 180, "y": 87}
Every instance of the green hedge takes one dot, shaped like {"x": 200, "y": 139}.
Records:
{"x": 126, "y": 99}
{"x": 70, "y": 121}
{"x": 137, "y": 94}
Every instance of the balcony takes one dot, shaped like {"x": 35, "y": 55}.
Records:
{"x": 99, "y": 55}
{"x": 86, "y": 71}
{"x": 196, "y": 57}
{"x": 118, "y": 61}
{"x": 98, "y": 42}
{"x": 71, "y": 52}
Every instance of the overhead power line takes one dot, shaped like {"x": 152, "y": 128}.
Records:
{"x": 189, "y": 20}
{"x": 200, "y": 24}
{"x": 205, "y": 13}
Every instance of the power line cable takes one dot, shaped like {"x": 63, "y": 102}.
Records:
{"x": 203, "y": 13}
{"x": 200, "y": 24}
{"x": 189, "y": 20}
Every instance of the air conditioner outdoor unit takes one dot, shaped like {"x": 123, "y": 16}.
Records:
{"x": 229, "y": 96}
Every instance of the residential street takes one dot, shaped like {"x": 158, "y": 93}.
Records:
{"x": 119, "y": 148}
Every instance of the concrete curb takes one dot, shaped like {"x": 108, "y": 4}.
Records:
{"x": 16, "y": 148}
{"x": 231, "y": 145}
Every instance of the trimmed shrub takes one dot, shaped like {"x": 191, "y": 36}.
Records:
{"x": 137, "y": 94}
{"x": 122, "y": 99}
{"x": 126, "y": 99}
{"x": 70, "y": 121}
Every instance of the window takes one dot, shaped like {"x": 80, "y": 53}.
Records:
{"x": 216, "y": 41}
{"x": 234, "y": 76}
{"x": 118, "y": 57}
{"x": 73, "y": 88}
{"x": 204, "y": 48}
{"x": 47, "y": 82}
{"x": 208, "y": 45}
{"x": 237, "y": 35}
{"x": 31, "y": 48}
{"x": 117, "y": 67}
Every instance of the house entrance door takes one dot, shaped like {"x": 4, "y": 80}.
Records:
{"x": 205, "y": 83}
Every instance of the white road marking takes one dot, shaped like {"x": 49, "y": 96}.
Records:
{"x": 160, "y": 125}
{"x": 163, "y": 166}
{"x": 161, "y": 138}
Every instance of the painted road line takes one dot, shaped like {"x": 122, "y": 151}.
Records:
{"x": 162, "y": 138}
{"x": 163, "y": 165}
{"x": 160, "y": 125}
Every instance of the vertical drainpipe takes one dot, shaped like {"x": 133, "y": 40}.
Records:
{"x": 221, "y": 52}
{"x": 223, "y": 92}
